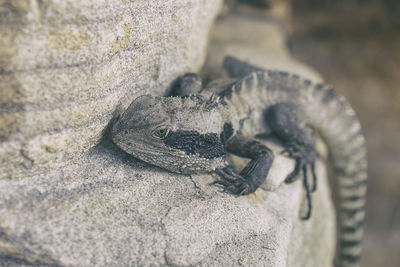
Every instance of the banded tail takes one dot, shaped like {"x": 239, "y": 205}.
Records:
{"x": 336, "y": 121}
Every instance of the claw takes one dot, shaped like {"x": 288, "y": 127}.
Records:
{"x": 304, "y": 163}
{"x": 242, "y": 192}
{"x": 226, "y": 176}
{"x": 294, "y": 175}
{"x": 308, "y": 194}
{"x": 220, "y": 183}
{"x": 314, "y": 187}
{"x": 231, "y": 182}
{"x": 230, "y": 171}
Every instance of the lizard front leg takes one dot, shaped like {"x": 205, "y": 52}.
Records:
{"x": 255, "y": 172}
{"x": 299, "y": 144}
{"x": 187, "y": 84}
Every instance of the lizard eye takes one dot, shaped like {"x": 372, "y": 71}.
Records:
{"x": 160, "y": 133}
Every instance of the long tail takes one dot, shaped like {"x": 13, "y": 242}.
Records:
{"x": 334, "y": 118}
{"x": 342, "y": 131}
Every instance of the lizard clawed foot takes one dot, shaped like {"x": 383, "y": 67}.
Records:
{"x": 304, "y": 163}
{"x": 232, "y": 182}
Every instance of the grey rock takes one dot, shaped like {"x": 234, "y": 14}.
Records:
{"x": 70, "y": 197}
{"x": 109, "y": 208}
{"x": 67, "y": 65}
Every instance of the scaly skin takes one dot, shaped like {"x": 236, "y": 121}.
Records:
{"x": 193, "y": 135}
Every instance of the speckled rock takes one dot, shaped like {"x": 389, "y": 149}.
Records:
{"x": 65, "y": 66}
{"x": 109, "y": 208}
{"x": 70, "y": 197}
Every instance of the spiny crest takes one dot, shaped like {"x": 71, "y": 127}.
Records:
{"x": 192, "y": 103}
{"x": 195, "y": 113}
{"x": 149, "y": 110}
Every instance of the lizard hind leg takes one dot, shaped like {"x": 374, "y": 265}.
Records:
{"x": 285, "y": 122}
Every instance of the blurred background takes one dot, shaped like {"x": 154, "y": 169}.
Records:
{"x": 355, "y": 45}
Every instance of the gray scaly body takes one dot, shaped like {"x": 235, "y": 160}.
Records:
{"x": 193, "y": 134}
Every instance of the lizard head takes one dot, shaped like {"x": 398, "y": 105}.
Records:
{"x": 183, "y": 135}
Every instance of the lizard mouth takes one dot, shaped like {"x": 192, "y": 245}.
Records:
{"x": 208, "y": 146}
{"x": 188, "y": 154}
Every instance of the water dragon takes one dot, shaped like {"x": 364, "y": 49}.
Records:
{"x": 192, "y": 130}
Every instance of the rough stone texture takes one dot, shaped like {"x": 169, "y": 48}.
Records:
{"x": 66, "y": 65}
{"x": 70, "y": 197}
{"x": 109, "y": 208}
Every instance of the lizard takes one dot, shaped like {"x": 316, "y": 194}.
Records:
{"x": 193, "y": 129}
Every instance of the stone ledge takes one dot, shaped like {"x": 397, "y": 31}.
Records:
{"x": 67, "y": 199}
{"x": 109, "y": 208}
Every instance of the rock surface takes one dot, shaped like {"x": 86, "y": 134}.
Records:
{"x": 70, "y": 197}
{"x": 65, "y": 66}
